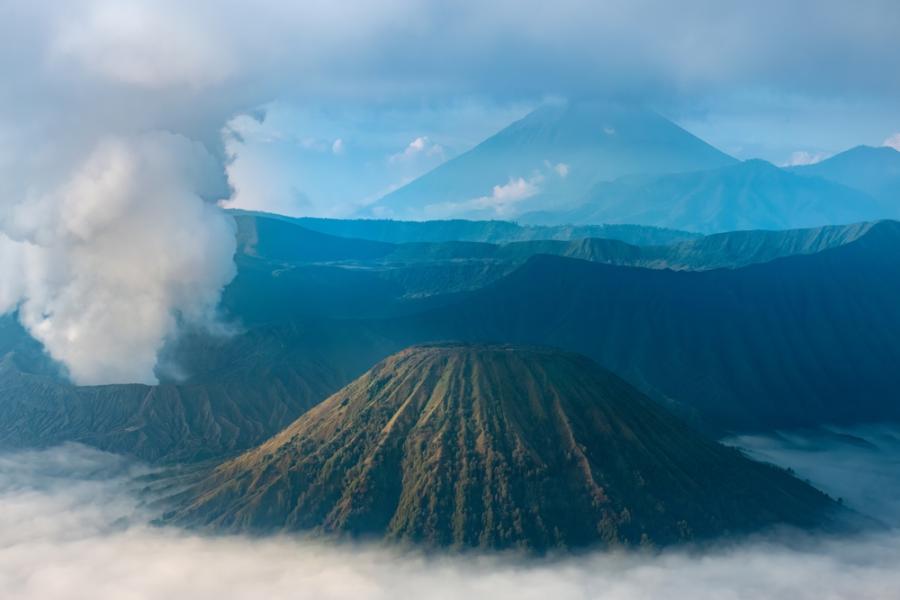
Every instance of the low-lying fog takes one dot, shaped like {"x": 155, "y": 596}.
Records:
{"x": 72, "y": 526}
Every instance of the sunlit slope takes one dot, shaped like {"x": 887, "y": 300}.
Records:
{"x": 497, "y": 446}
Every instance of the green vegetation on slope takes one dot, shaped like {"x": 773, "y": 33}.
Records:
{"x": 497, "y": 447}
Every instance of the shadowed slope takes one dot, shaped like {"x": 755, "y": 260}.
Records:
{"x": 497, "y": 446}
{"x": 749, "y": 195}
{"x": 246, "y": 388}
{"x": 456, "y": 230}
{"x": 286, "y": 269}
{"x": 798, "y": 341}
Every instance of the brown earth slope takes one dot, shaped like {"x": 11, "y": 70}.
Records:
{"x": 495, "y": 447}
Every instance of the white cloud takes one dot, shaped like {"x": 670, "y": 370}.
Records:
{"x": 893, "y": 141}
{"x": 802, "y": 157}
{"x": 418, "y": 144}
{"x": 12, "y": 283}
{"x": 561, "y": 169}
{"x": 421, "y": 146}
{"x": 513, "y": 191}
{"x": 503, "y": 201}
{"x": 73, "y": 525}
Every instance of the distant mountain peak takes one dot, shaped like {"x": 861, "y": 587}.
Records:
{"x": 550, "y": 158}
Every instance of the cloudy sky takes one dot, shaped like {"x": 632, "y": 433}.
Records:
{"x": 778, "y": 80}
{"x": 115, "y": 114}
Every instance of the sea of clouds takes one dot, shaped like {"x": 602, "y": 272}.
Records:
{"x": 74, "y": 523}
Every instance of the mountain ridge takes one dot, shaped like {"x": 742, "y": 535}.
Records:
{"x": 750, "y": 195}
{"x": 874, "y": 170}
{"x": 777, "y": 344}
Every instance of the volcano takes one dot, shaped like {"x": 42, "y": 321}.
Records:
{"x": 497, "y": 446}
{"x": 549, "y": 160}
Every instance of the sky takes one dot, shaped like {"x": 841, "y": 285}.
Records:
{"x": 125, "y": 124}
{"x": 333, "y": 161}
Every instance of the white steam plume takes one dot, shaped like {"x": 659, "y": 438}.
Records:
{"x": 104, "y": 265}
{"x": 110, "y": 233}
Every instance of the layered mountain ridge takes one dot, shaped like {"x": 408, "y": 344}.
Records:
{"x": 750, "y": 195}
{"x": 796, "y": 341}
{"x": 427, "y": 269}
{"x": 784, "y": 341}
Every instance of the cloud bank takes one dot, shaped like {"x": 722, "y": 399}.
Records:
{"x": 860, "y": 465}
{"x": 73, "y": 525}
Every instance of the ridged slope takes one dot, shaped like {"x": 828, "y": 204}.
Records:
{"x": 497, "y": 446}
{"x": 248, "y": 387}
